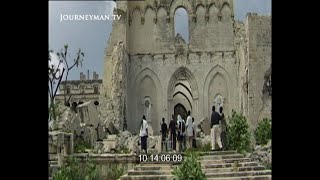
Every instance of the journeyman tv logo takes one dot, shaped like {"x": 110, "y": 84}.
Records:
{"x": 88, "y": 17}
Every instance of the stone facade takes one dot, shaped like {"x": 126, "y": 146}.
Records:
{"x": 85, "y": 89}
{"x": 148, "y": 70}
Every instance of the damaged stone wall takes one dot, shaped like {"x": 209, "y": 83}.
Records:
{"x": 161, "y": 59}
{"x": 259, "y": 43}
{"x": 241, "y": 45}
{"x": 143, "y": 61}
{"x": 113, "y": 90}
{"x": 114, "y": 104}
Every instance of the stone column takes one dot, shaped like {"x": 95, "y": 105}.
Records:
{"x": 170, "y": 109}
{"x": 196, "y": 109}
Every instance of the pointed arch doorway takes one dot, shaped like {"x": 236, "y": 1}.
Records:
{"x": 183, "y": 94}
{"x": 180, "y": 109}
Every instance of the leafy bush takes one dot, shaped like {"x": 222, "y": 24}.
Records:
{"x": 77, "y": 171}
{"x": 238, "y": 134}
{"x": 114, "y": 172}
{"x": 263, "y": 132}
{"x": 190, "y": 168}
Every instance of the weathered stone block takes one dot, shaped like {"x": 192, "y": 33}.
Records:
{"x": 111, "y": 129}
{"x": 89, "y": 113}
{"x": 205, "y": 126}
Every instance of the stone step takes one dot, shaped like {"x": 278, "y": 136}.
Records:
{"x": 262, "y": 177}
{"x": 217, "y": 152}
{"x": 226, "y": 165}
{"x": 235, "y": 174}
{"x": 53, "y": 162}
{"x": 162, "y": 162}
{"x": 156, "y": 165}
{"x": 225, "y": 156}
{"x": 222, "y": 161}
{"x": 233, "y": 169}
{"x": 53, "y": 157}
{"x": 155, "y": 172}
{"x": 148, "y": 177}
{"x": 153, "y": 168}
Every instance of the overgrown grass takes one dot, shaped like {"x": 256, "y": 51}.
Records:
{"x": 80, "y": 146}
{"x": 74, "y": 170}
{"x": 114, "y": 172}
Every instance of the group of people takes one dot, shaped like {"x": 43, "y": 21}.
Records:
{"x": 185, "y": 132}
{"x": 179, "y": 130}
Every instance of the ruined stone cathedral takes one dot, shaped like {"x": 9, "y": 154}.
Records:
{"x": 150, "y": 70}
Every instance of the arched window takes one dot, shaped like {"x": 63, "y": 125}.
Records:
{"x": 181, "y": 24}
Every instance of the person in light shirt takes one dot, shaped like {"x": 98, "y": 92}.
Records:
{"x": 189, "y": 133}
{"x": 144, "y": 134}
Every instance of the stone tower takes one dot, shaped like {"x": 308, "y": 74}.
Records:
{"x": 151, "y": 70}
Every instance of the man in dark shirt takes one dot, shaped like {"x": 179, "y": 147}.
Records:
{"x": 173, "y": 135}
{"x": 164, "y": 131}
{"x": 215, "y": 129}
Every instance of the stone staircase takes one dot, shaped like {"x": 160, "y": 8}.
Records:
{"x": 53, "y": 165}
{"x": 223, "y": 165}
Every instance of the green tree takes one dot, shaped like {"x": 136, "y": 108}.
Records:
{"x": 238, "y": 134}
{"x": 263, "y": 132}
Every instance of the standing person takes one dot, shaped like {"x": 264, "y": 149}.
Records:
{"x": 173, "y": 135}
{"x": 143, "y": 134}
{"x": 223, "y": 128}
{"x": 164, "y": 131}
{"x": 189, "y": 134}
{"x": 215, "y": 129}
{"x": 194, "y": 145}
{"x": 181, "y": 133}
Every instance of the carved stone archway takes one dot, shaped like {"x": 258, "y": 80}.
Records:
{"x": 183, "y": 74}
{"x": 218, "y": 70}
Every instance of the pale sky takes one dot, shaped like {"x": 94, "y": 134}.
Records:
{"x": 92, "y": 36}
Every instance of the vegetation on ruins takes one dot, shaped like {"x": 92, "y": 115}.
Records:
{"x": 263, "y": 132}
{"x": 190, "y": 168}
{"x": 57, "y": 72}
{"x": 238, "y": 134}
{"x": 54, "y": 110}
{"x": 72, "y": 169}
{"x": 203, "y": 148}
{"x": 86, "y": 170}
{"x": 114, "y": 172}
{"x": 123, "y": 150}
{"x": 80, "y": 146}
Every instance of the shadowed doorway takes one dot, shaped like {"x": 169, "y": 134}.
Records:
{"x": 180, "y": 109}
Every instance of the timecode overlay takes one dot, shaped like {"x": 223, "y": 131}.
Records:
{"x": 161, "y": 158}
